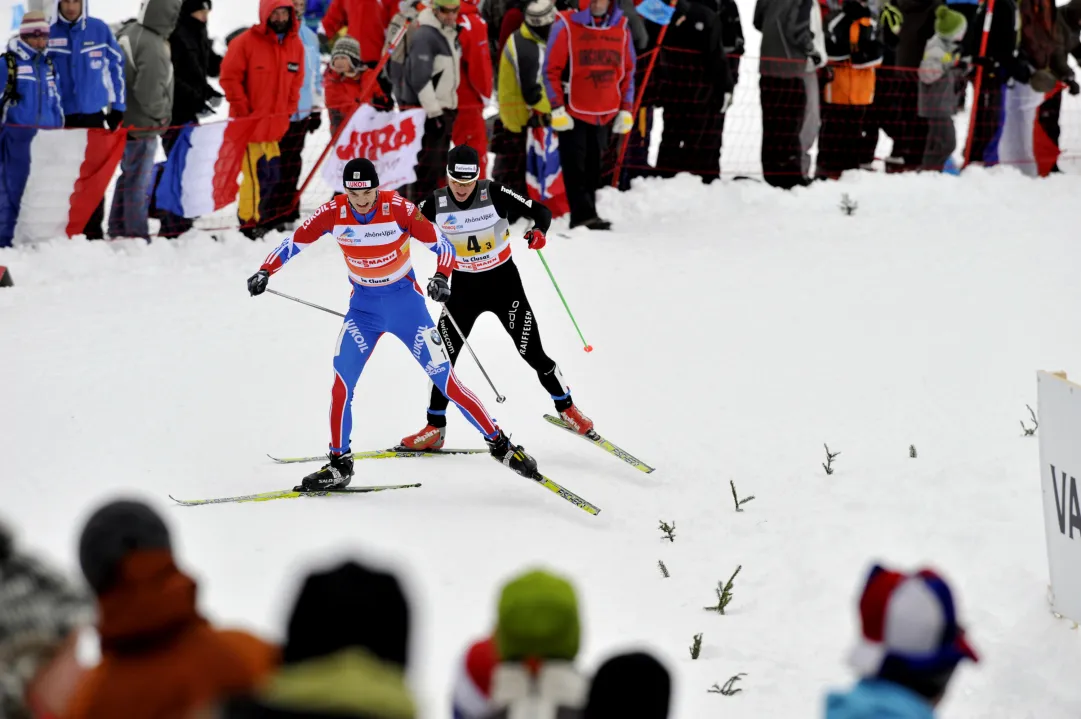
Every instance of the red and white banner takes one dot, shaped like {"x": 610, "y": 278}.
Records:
{"x": 391, "y": 140}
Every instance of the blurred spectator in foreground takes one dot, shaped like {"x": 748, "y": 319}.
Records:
{"x": 788, "y": 55}
{"x": 149, "y": 79}
{"x": 339, "y": 664}
{"x": 284, "y": 204}
{"x": 941, "y": 82}
{"x": 159, "y": 656}
{"x": 31, "y": 100}
{"x": 475, "y": 86}
{"x": 90, "y": 66}
{"x": 911, "y": 646}
{"x": 592, "y": 94}
{"x": 366, "y": 20}
{"x": 344, "y": 82}
{"x": 629, "y": 685}
{"x": 429, "y": 79}
{"x": 194, "y": 60}
{"x": 262, "y": 76}
{"x": 854, "y": 54}
{"x": 527, "y": 667}
{"x": 41, "y": 613}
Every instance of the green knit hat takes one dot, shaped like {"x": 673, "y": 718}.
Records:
{"x": 538, "y": 617}
{"x": 950, "y": 24}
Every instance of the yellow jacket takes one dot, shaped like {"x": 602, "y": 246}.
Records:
{"x": 520, "y": 87}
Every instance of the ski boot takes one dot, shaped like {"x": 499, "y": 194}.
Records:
{"x": 511, "y": 456}
{"x": 576, "y": 420}
{"x": 335, "y": 474}
{"x": 428, "y": 438}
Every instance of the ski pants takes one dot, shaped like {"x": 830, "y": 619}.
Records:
{"x": 499, "y": 291}
{"x": 131, "y": 201}
{"x": 14, "y": 172}
{"x": 400, "y": 310}
{"x": 260, "y": 172}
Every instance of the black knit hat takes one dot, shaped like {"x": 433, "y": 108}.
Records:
{"x": 349, "y": 606}
{"x": 463, "y": 164}
{"x": 360, "y": 174}
{"x": 112, "y": 533}
{"x": 190, "y": 6}
{"x": 629, "y": 685}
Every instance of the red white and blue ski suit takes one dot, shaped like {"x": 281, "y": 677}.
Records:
{"x": 385, "y": 298}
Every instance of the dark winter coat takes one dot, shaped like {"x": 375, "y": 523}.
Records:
{"x": 917, "y": 27}
{"x": 1067, "y": 40}
{"x": 1002, "y": 61}
{"x": 149, "y": 68}
{"x": 194, "y": 60}
{"x": 692, "y": 68}
{"x": 787, "y": 38}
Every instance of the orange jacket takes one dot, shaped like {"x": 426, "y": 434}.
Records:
{"x": 160, "y": 658}
{"x": 262, "y": 74}
{"x": 853, "y": 57}
{"x": 476, "y": 81}
{"x": 367, "y": 21}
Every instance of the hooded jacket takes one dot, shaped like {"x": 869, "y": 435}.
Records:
{"x": 89, "y": 63}
{"x": 149, "y": 67}
{"x": 476, "y": 83}
{"x": 787, "y": 38}
{"x": 262, "y": 74}
{"x": 366, "y": 20}
{"x": 159, "y": 656}
{"x": 193, "y": 62}
{"x": 1067, "y": 41}
{"x": 877, "y": 699}
{"x": 38, "y": 95}
{"x": 432, "y": 68}
{"x": 311, "y": 92}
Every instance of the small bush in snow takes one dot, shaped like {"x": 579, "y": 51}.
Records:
{"x": 912, "y": 451}
{"x": 724, "y": 593}
{"x": 727, "y": 689}
{"x": 664, "y": 569}
{"x": 736, "y": 499}
{"x": 696, "y": 648}
{"x": 669, "y": 530}
{"x": 830, "y": 456}
{"x": 1029, "y": 431}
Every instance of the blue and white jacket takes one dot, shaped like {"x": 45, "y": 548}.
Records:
{"x": 90, "y": 64}
{"x": 311, "y": 93}
{"x": 38, "y": 103}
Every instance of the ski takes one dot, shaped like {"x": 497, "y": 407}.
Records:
{"x": 593, "y": 438}
{"x": 289, "y": 494}
{"x": 565, "y": 493}
{"x": 392, "y": 453}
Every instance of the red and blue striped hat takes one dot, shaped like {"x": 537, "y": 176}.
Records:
{"x": 910, "y": 618}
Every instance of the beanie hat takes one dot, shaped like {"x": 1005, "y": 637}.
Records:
{"x": 34, "y": 23}
{"x": 39, "y": 610}
{"x": 463, "y": 164}
{"x": 540, "y": 13}
{"x": 190, "y": 6}
{"x": 629, "y": 685}
{"x": 538, "y": 618}
{"x": 113, "y": 532}
{"x": 349, "y": 606}
{"x": 348, "y": 47}
{"x": 446, "y": 4}
{"x": 908, "y": 620}
{"x": 360, "y": 174}
{"x": 950, "y": 24}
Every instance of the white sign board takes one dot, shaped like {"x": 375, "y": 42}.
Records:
{"x": 391, "y": 140}
{"x": 1060, "y": 473}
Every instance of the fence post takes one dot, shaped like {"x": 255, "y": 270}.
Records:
{"x": 976, "y": 84}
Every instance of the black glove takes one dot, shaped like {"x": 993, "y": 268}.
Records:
{"x": 383, "y": 103}
{"x": 213, "y": 98}
{"x": 439, "y": 288}
{"x": 315, "y": 121}
{"x": 537, "y": 119}
{"x": 113, "y": 119}
{"x": 435, "y": 125}
{"x": 1074, "y": 87}
{"x": 257, "y": 283}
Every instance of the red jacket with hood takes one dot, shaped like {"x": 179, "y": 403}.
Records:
{"x": 476, "y": 61}
{"x": 367, "y": 21}
{"x": 262, "y": 74}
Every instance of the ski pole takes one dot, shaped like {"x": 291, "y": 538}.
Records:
{"x": 500, "y": 399}
{"x": 588, "y": 347}
{"x": 304, "y": 302}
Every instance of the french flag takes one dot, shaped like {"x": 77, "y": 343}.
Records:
{"x": 200, "y": 174}
{"x": 66, "y": 180}
{"x": 543, "y": 172}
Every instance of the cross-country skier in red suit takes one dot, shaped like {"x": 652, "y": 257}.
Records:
{"x": 373, "y": 229}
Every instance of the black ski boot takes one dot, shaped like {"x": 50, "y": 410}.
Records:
{"x": 335, "y": 474}
{"x": 511, "y": 456}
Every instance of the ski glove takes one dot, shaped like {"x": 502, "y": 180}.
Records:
{"x": 1075, "y": 89}
{"x": 439, "y": 288}
{"x": 114, "y": 119}
{"x": 726, "y": 103}
{"x": 623, "y": 123}
{"x": 535, "y": 239}
{"x": 561, "y": 121}
{"x": 257, "y": 283}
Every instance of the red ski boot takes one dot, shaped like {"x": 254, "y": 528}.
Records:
{"x": 428, "y": 438}
{"x": 576, "y": 420}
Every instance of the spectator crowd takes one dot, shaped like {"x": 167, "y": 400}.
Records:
{"x": 577, "y": 84}
{"x": 346, "y": 646}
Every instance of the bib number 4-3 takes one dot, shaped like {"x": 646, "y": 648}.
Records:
{"x": 473, "y": 244}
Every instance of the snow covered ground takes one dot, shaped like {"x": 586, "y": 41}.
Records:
{"x": 737, "y": 329}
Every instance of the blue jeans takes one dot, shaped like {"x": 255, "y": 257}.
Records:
{"x": 14, "y": 172}
{"x": 131, "y": 201}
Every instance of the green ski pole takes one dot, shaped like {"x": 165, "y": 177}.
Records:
{"x": 588, "y": 347}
